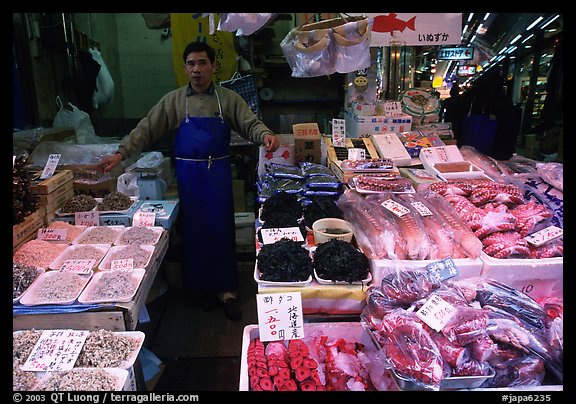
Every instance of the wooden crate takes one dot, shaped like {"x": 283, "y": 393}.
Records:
{"x": 56, "y": 198}
{"x": 44, "y": 187}
{"x": 28, "y": 229}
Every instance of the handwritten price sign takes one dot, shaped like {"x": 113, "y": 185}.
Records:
{"x": 543, "y": 236}
{"x": 280, "y": 316}
{"x": 436, "y": 312}
{"x": 56, "y": 350}
{"x": 91, "y": 218}
{"x": 52, "y": 234}
{"x": 272, "y": 235}
{"x": 78, "y": 266}
{"x": 126, "y": 264}
{"x": 144, "y": 219}
{"x": 397, "y": 208}
{"x": 50, "y": 166}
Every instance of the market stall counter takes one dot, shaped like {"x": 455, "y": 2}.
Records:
{"x": 117, "y": 316}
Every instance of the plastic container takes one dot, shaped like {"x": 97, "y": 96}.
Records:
{"x": 119, "y": 375}
{"x": 59, "y": 261}
{"x": 87, "y": 295}
{"x": 330, "y": 228}
{"x": 107, "y": 260}
{"x": 84, "y": 237}
{"x": 156, "y": 229}
{"x": 32, "y": 296}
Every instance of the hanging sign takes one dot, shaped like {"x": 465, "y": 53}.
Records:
{"x": 280, "y": 316}
{"x": 413, "y": 29}
{"x": 338, "y": 132}
{"x": 50, "y": 166}
{"x": 456, "y": 53}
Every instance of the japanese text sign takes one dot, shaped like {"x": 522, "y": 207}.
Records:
{"x": 55, "y": 350}
{"x": 91, "y": 218}
{"x": 280, "y": 316}
{"x": 338, "y": 132}
{"x": 50, "y": 166}
{"x": 78, "y": 266}
{"x": 543, "y": 236}
{"x": 397, "y": 208}
{"x": 272, "y": 235}
{"x": 141, "y": 218}
{"x": 52, "y": 234}
{"x": 436, "y": 312}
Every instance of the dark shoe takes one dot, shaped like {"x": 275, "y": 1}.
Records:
{"x": 232, "y": 309}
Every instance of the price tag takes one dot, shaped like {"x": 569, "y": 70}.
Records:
{"x": 272, "y": 235}
{"x": 52, "y": 234}
{"x": 436, "y": 312}
{"x": 55, "y": 350}
{"x": 443, "y": 269}
{"x": 392, "y": 108}
{"x": 143, "y": 219}
{"x": 543, "y": 236}
{"x": 422, "y": 209}
{"x": 280, "y": 316}
{"x": 126, "y": 264}
{"x": 91, "y": 218}
{"x": 338, "y": 133}
{"x": 397, "y": 208}
{"x": 78, "y": 266}
{"x": 50, "y": 166}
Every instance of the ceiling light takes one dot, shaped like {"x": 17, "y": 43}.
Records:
{"x": 486, "y": 16}
{"x": 528, "y": 37}
{"x": 470, "y": 17}
{"x": 548, "y": 23}
{"x": 515, "y": 39}
{"x": 536, "y": 21}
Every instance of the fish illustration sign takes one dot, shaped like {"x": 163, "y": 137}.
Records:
{"x": 413, "y": 29}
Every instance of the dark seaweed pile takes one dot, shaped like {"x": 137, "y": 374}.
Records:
{"x": 280, "y": 220}
{"x": 338, "y": 260}
{"x": 321, "y": 207}
{"x": 284, "y": 261}
{"x": 281, "y": 202}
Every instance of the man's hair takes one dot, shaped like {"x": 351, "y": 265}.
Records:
{"x": 199, "y": 47}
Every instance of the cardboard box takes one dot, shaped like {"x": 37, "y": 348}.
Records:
{"x": 307, "y": 148}
{"x": 390, "y": 146}
{"x": 27, "y": 230}
{"x": 365, "y": 126}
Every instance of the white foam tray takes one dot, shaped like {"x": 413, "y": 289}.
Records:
{"x": 106, "y": 261}
{"x": 86, "y": 297}
{"x": 156, "y": 229}
{"x": 31, "y": 297}
{"x": 80, "y": 238}
{"x": 59, "y": 261}
{"x": 120, "y": 376}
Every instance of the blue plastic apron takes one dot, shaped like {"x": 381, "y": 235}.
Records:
{"x": 204, "y": 176}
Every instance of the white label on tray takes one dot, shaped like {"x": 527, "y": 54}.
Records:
{"x": 56, "y": 350}
{"x": 125, "y": 264}
{"x": 50, "y": 166}
{"x": 143, "y": 219}
{"x": 356, "y": 154}
{"x": 397, "y": 208}
{"x": 338, "y": 132}
{"x": 543, "y": 236}
{"x": 78, "y": 266}
{"x": 436, "y": 312}
{"x": 280, "y": 316}
{"x": 422, "y": 209}
{"x": 52, "y": 234}
{"x": 91, "y": 218}
{"x": 272, "y": 235}
{"x": 392, "y": 108}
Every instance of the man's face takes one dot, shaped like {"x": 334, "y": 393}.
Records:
{"x": 199, "y": 70}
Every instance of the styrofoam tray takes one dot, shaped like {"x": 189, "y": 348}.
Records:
{"x": 58, "y": 212}
{"x": 59, "y": 261}
{"x": 120, "y": 376}
{"x": 354, "y": 186}
{"x": 86, "y": 233}
{"x": 270, "y": 283}
{"x": 31, "y": 298}
{"x": 86, "y": 297}
{"x": 156, "y": 229}
{"x": 17, "y": 299}
{"x": 468, "y": 267}
{"x": 106, "y": 261}
{"x": 322, "y": 281}
{"x": 538, "y": 278}
{"x": 105, "y": 212}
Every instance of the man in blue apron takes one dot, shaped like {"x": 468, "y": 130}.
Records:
{"x": 202, "y": 116}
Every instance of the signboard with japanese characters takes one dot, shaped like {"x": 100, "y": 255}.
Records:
{"x": 280, "y": 316}
{"x": 413, "y": 29}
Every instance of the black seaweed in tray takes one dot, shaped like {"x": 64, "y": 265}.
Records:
{"x": 338, "y": 260}
{"x": 284, "y": 261}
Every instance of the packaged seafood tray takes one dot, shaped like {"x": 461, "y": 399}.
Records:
{"x": 55, "y": 287}
{"x": 100, "y": 251}
{"x": 350, "y": 331}
{"x": 112, "y": 286}
{"x": 132, "y": 234}
{"x": 467, "y": 267}
{"x": 107, "y": 260}
{"x": 538, "y": 278}
{"x": 99, "y": 235}
{"x": 88, "y": 379}
{"x": 134, "y": 200}
{"x": 259, "y": 281}
{"x": 448, "y": 163}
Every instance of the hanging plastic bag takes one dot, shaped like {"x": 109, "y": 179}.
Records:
{"x": 243, "y": 23}
{"x": 127, "y": 183}
{"x": 72, "y": 116}
{"x": 104, "y": 84}
{"x": 352, "y": 45}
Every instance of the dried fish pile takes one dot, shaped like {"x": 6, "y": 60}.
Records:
{"x": 22, "y": 344}
{"x": 114, "y": 285}
{"x": 22, "y": 277}
{"x": 99, "y": 235}
{"x": 139, "y": 235}
{"x": 60, "y": 286}
{"x": 84, "y": 252}
{"x": 106, "y": 349}
{"x": 79, "y": 203}
{"x": 139, "y": 255}
{"x": 23, "y": 201}
{"x": 115, "y": 201}
{"x": 38, "y": 253}
{"x": 79, "y": 380}
{"x": 23, "y": 380}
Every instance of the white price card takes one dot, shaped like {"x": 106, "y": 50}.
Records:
{"x": 392, "y": 108}
{"x": 421, "y": 209}
{"x": 273, "y": 234}
{"x": 52, "y": 234}
{"x": 443, "y": 269}
{"x": 56, "y": 350}
{"x": 78, "y": 266}
{"x": 280, "y": 316}
{"x": 126, "y": 264}
{"x": 338, "y": 132}
{"x": 91, "y": 218}
{"x": 543, "y": 236}
{"x": 143, "y": 219}
{"x": 397, "y": 208}
{"x": 50, "y": 166}
{"x": 436, "y": 312}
